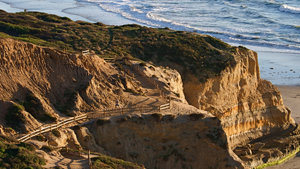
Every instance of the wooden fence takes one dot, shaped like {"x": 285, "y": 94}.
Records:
{"x": 80, "y": 153}
{"x": 85, "y": 52}
{"x": 92, "y": 115}
{"x": 52, "y": 127}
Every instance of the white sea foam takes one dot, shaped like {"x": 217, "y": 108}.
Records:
{"x": 134, "y": 9}
{"x": 258, "y": 24}
{"x": 290, "y": 9}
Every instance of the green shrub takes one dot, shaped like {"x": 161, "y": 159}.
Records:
{"x": 19, "y": 156}
{"x": 8, "y": 139}
{"x": 119, "y": 66}
{"x": 34, "y": 106}
{"x": 130, "y": 91}
{"x": 56, "y": 133}
{"x": 68, "y": 103}
{"x": 47, "y": 148}
{"x": 14, "y": 117}
{"x": 104, "y": 161}
{"x": 202, "y": 56}
{"x": 40, "y": 138}
{"x": 28, "y": 146}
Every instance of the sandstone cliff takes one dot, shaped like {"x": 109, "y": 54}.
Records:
{"x": 39, "y": 85}
{"x": 49, "y": 82}
{"x": 164, "y": 141}
{"x": 248, "y": 106}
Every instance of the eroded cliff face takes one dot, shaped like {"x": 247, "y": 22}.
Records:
{"x": 248, "y": 106}
{"x": 56, "y": 81}
{"x": 164, "y": 141}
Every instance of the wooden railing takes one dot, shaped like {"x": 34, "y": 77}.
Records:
{"x": 52, "y": 127}
{"x": 97, "y": 114}
{"x": 85, "y": 52}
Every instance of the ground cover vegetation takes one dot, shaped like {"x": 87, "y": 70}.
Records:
{"x": 103, "y": 161}
{"x": 201, "y": 55}
{"x": 18, "y": 155}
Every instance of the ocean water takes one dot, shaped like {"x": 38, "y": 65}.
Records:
{"x": 261, "y": 25}
{"x": 272, "y": 24}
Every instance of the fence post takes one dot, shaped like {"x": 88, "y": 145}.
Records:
{"x": 89, "y": 158}
{"x": 169, "y": 102}
{"x": 159, "y": 108}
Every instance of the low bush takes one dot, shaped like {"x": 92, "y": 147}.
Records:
{"x": 202, "y": 56}
{"x": 104, "y": 161}
{"x": 40, "y": 138}
{"x": 130, "y": 91}
{"x": 47, "y": 148}
{"x": 19, "y": 156}
{"x": 119, "y": 66}
{"x": 56, "y": 133}
{"x": 14, "y": 117}
{"x": 28, "y": 146}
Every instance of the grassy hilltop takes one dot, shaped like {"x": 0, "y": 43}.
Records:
{"x": 201, "y": 55}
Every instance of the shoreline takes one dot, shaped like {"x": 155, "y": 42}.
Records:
{"x": 277, "y": 67}
{"x": 73, "y": 9}
{"x": 288, "y": 83}
{"x": 291, "y": 99}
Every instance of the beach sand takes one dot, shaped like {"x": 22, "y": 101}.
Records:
{"x": 280, "y": 68}
{"x": 291, "y": 98}
{"x": 75, "y": 10}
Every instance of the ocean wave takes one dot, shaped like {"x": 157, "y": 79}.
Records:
{"x": 248, "y": 24}
{"x": 157, "y": 18}
{"x": 290, "y": 9}
{"x": 134, "y": 9}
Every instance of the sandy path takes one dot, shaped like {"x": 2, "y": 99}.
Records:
{"x": 291, "y": 98}
{"x": 68, "y": 161}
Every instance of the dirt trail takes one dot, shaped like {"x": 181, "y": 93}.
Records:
{"x": 68, "y": 161}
